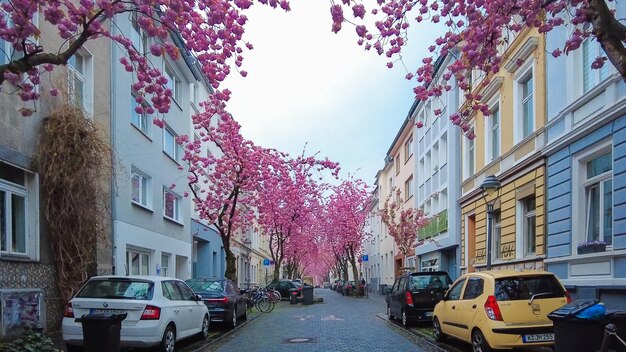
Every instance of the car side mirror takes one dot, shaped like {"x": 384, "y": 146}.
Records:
{"x": 198, "y": 298}
{"x": 440, "y": 296}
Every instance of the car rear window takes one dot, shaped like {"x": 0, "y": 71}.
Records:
{"x": 206, "y": 286}
{"x": 525, "y": 287}
{"x": 117, "y": 289}
{"x": 419, "y": 282}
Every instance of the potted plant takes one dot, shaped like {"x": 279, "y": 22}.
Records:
{"x": 591, "y": 247}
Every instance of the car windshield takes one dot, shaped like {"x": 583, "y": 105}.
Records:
{"x": 206, "y": 286}
{"x": 419, "y": 282}
{"x": 525, "y": 287}
{"x": 117, "y": 288}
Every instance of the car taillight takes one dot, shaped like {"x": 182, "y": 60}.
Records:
{"x": 408, "y": 298}
{"x": 219, "y": 300}
{"x": 151, "y": 313}
{"x": 568, "y": 297}
{"x": 492, "y": 309}
{"x": 68, "y": 312}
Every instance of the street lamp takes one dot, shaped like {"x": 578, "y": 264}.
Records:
{"x": 489, "y": 187}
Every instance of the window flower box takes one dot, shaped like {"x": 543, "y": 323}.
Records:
{"x": 591, "y": 247}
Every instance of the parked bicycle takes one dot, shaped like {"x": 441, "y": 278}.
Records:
{"x": 259, "y": 299}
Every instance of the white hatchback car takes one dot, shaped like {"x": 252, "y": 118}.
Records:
{"x": 160, "y": 310}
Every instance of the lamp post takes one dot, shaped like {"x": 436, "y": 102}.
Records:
{"x": 490, "y": 186}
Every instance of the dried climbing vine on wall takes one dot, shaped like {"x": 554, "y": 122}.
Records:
{"x": 73, "y": 163}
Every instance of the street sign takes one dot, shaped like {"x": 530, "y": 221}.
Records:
{"x": 365, "y": 258}
{"x": 266, "y": 262}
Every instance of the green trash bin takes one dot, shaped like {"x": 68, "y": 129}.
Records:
{"x": 101, "y": 332}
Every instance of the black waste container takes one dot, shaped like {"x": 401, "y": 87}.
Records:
{"x": 293, "y": 295}
{"x": 101, "y": 333}
{"x": 307, "y": 295}
{"x": 618, "y": 319}
{"x": 572, "y": 334}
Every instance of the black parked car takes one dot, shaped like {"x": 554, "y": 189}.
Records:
{"x": 223, "y": 298}
{"x": 413, "y": 296}
{"x": 283, "y": 286}
{"x": 339, "y": 287}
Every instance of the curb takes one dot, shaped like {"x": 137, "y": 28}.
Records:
{"x": 420, "y": 336}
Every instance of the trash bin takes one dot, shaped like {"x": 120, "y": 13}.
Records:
{"x": 101, "y": 333}
{"x": 293, "y": 295}
{"x": 572, "y": 334}
{"x": 307, "y": 295}
{"x": 617, "y": 320}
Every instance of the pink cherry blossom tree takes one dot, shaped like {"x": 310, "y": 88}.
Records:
{"x": 479, "y": 28}
{"x": 402, "y": 224}
{"x": 223, "y": 184}
{"x": 288, "y": 198}
{"x": 212, "y": 30}
{"x": 348, "y": 211}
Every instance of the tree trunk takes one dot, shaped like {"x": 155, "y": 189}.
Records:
{"x": 277, "y": 264}
{"x": 231, "y": 265}
{"x": 609, "y": 32}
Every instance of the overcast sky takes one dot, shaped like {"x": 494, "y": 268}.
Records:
{"x": 307, "y": 84}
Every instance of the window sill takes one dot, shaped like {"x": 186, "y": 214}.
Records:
{"x": 144, "y": 207}
{"x": 14, "y": 257}
{"x": 513, "y": 261}
{"x": 171, "y": 158}
{"x": 142, "y": 132}
{"x": 177, "y": 222}
{"x": 585, "y": 257}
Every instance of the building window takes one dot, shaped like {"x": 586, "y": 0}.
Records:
{"x": 598, "y": 187}
{"x": 497, "y": 234}
{"x": 398, "y": 163}
{"x": 14, "y": 202}
{"x": 171, "y": 205}
{"x": 170, "y": 146}
{"x": 408, "y": 149}
{"x": 528, "y": 207}
{"x": 409, "y": 188}
{"x": 76, "y": 80}
{"x": 470, "y": 154}
{"x": 493, "y": 134}
{"x": 141, "y": 120}
{"x": 214, "y": 262}
{"x": 528, "y": 115}
{"x": 140, "y": 188}
{"x": 165, "y": 263}
{"x": 137, "y": 262}
{"x": 195, "y": 94}
{"x": 591, "y": 77}
{"x": 173, "y": 82}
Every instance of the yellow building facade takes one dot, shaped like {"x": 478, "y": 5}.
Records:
{"x": 507, "y": 145}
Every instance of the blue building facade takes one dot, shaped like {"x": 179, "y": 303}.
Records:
{"x": 208, "y": 252}
{"x": 586, "y": 174}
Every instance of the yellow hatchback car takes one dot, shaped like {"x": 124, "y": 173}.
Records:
{"x": 500, "y": 309}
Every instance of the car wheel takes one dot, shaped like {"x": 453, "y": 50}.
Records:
{"x": 437, "y": 333}
{"x": 405, "y": 322}
{"x": 479, "y": 343}
{"x": 233, "y": 321}
{"x": 389, "y": 315}
{"x": 205, "y": 327}
{"x": 168, "y": 343}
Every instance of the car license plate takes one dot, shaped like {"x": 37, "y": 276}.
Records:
{"x": 106, "y": 311}
{"x": 538, "y": 337}
{"x": 428, "y": 314}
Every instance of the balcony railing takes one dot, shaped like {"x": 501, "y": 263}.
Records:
{"x": 437, "y": 225}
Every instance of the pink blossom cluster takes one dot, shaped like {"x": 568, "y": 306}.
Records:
{"x": 402, "y": 223}
{"x": 477, "y": 29}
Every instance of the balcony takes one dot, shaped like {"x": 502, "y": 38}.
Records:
{"x": 437, "y": 225}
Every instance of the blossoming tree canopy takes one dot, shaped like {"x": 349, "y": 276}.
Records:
{"x": 479, "y": 29}
{"x": 403, "y": 224}
{"x": 212, "y": 30}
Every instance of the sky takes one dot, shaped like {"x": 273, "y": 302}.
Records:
{"x": 308, "y": 85}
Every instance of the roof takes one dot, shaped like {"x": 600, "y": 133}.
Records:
{"x": 497, "y": 274}
{"x": 136, "y": 277}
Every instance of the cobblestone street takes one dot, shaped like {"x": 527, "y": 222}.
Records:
{"x": 339, "y": 324}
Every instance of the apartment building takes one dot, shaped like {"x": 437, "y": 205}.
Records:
{"x": 28, "y": 278}
{"x": 151, "y": 219}
{"x": 438, "y": 180}
{"x": 371, "y": 244}
{"x": 586, "y": 172}
{"x": 508, "y": 145}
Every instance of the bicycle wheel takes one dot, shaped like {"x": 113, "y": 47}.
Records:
{"x": 274, "y": 296}
{"x": 264, "y": 305}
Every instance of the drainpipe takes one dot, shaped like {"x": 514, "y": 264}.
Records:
{"x": 112, "y": 144}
